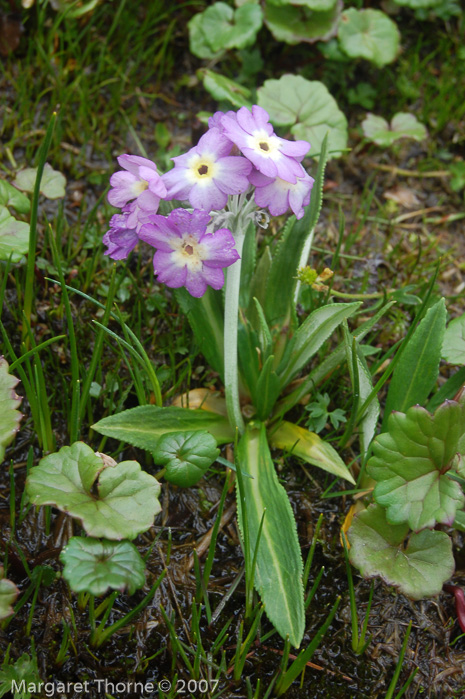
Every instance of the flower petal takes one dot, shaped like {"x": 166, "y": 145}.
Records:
{"x": 168, "y": 272}
{"x": 220, "y": 248}
{"x": 207, "y": 196}
{"x": 132, "y": 163}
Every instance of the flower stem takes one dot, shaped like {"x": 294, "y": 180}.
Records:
{"x": 231, "y": 315}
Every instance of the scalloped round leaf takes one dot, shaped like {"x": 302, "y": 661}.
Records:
{"x": 14, "y": 236}
{"x": 403, "y": 125}
{"x": 410, "y": 464}
{"x": 222, "y": 88}
{"x": 10, "y": 196}
{"x": 308, "y": 107}
{"x": 97, "y": 566}
{"x": 197, "y": 42}
{"x": 415, "y": 4}
{"x": 369, "y": 34}
{"x": 318, "y": 5}
{"x": 378, "y": 548}
{"x": 300, "y": 24}
{"x": 225, "y": 28}
{"x": 120, "y": 505}
{"x": 52, "y": 184}
{"x": 8, "y": 595}
{"x": 453, "y": 346}
{"x": 186, "y": 456}
{"x": 9, "y": 401}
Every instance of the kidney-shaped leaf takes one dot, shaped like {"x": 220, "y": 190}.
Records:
{"x": 403, "y": 125}
{"x": 369, "y": 34}
{"x": 9, "y": 401}
{"x": 8, "y": 595}
{"x": 10, "y": 196}
{"x": 453, "y": 347}
{"x": 301, "y": 24}
{"x": 52, "y": 184}
{"x": 14, "y": 236}
{"x": 197, "y": 41}
{"x": 121, "y": 505}
{"x": 308, "y": 108}
{"x": 378, "y": 548}
{"x": 186, "y": 456}
{"x": 225, "y": 28}
{"x": 95, "y": 566}
{"x": 410, "y": 464}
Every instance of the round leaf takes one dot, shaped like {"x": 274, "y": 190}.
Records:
{"x": 197, "y": 41}
{"x": 52, "y": 184}
{"x": 225, "y": 28}
{"x": 369, "y": 34}
{"x": 9, "y": 401}
{"x": 123, "y": 504}
{"x": 308, "y": 107}
{"x": 410, "y": 464}
{"x": 14, "y": 236}
{"x": 377, "y": 548}
{"x": 403, "y": 125}
{"x": 453, "y": 348}
{"x": 8, "y": 595}
{"x": 186, "y": 456}
{"x": 9, "y": 196}
{"x": 96, "y": 566}
{"x": 415, "y": 4}
{"x": 299, "y": 24}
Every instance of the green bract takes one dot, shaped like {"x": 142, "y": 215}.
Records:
{"x": 377, "y": 548}
{"x": 369, "y": 34}
{"x": 411, "y": 462}
{"x": 52, "y": 184}
{"x": 120, "y": 505}
{"x": 186, "y": 456}
{"x": 9, "y": 196}
{"x": 14, "y": 236}
{"x": 403, "y": 125}
{"x": 296, "y": 24}
{"x": 95, "y": 566}
{"x": 9, "y": 401}
{"x": 453, "y": 348}
{"x": 8, "y": 595}
{"x": 308, "y": 108}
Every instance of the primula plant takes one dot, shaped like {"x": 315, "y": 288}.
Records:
{"x": 242, "y": 312}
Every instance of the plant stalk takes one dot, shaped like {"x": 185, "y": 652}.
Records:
{"x": 231, "y": 316}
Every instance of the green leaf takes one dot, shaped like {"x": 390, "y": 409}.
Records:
{"x": 143, "y": 426}
{"x": 415, "y": 4}
{"x": 278, "y": 575}
{"x": 453, "y": 347}
{"x": 459, "y": 521}
{"x": 205, "y": 316}
{"x": 403, "y": 125}
{"x": 268, "y": 389}
{"x": 96, "y": 566}
{"x": 313, "y": 332}
{"x": 377, "y": 548}
{"x": 301, "y": 24}
{"x": 25, "y": 668}
{"x": 198, "y": 44}
{"x": 309, "y": 447}
{"x": 9, "y": 196}
{"x": 8, "y": 595}
{"x": 121, "y": 505}
{"x": 410, "y": 464}
{"x": 258, "y": 286}
{"x": 52, "y": 184}
{"x": 225, "y": 28}
{"x": 14, "y": 236}
{"x": 319, "y": 5}
{"x": 249, "y": 254}
{"x": 186, "y": 456}
{"x": 417, "y": 370}
{"x": 222, "y": 88}
{"x": 308, "y": 108}
{"x": 369, "y": 34}
{"x": 9, "y": 401}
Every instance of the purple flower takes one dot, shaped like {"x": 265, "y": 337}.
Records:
{"x": 206, "y": 174}
{"x": 279, "y": 195}
{"x": 139, "y": 180}
{"x": 121, "y": 239}
{"x": 271, "y": 155}
{"x": 186, "y": 254}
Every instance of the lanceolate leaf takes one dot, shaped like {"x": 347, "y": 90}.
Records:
{"x": 416, "y": 373}
{"x": 222, "y": 88}
{"x": 186, "y": 456}
{"x": 411, "y": 462}
{"x": 378, "y": 548}
{"x": 310, "y": 336}
{"x": 8, "y": 595}
{"x": 143, "y": 426}
{"x": 278, "y": 575}
{"x": 310, "y": 447}
{"x": 95, "y": 566}
{"x": 205, "y": 316}
{"x": 121, "y": 505}
{"x": 9, "y": 401}
{"x": 268, "y": 388}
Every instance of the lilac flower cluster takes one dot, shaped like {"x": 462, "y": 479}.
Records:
{"x": 186, "y": 254}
